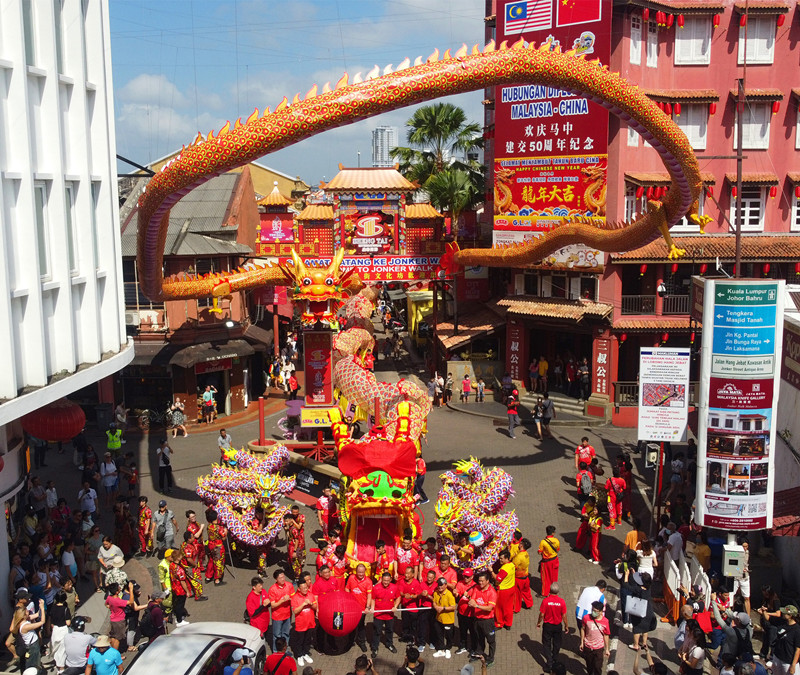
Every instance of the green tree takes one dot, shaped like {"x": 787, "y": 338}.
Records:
{"x": 452, "y": 190}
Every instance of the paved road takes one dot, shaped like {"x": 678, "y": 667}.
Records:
{"x": 543, "y": 479}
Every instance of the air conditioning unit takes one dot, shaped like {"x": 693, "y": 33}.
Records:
{"x": 131, "y": 318}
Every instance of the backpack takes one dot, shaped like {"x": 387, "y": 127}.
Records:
{"x": 586, "y": 484}
{"x": 146, "y": 626}
{"x": 745, "y": 645}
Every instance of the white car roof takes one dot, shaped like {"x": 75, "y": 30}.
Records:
{"x": 180, "y": 652}
{"x": 227, "y": 629}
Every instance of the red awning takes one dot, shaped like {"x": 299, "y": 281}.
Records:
{"x": 786, "y": 513}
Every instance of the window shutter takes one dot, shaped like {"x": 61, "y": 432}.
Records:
{"x": 636, "y": 40}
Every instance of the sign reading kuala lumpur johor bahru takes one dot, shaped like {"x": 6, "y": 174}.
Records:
{"x": 663, "y": 393}
{"x": 551, "y": 145}
{"x": 742, "y": 336}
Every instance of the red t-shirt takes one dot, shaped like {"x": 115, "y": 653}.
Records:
{"x": 554, "y": 609}
{"x": 462, "y": 589}
{"x": 585, "y": 454}
{"x": 117, "y": 607}
{"x": 384, "y": 597}
{"x": 412, "y": 586}
{"x": 593, "y": 632}
{"x": 288, "y": 665}
{"x": 360, "y": 589}
{"x": 449, "y": 574}
{"x": 253, "y": 602}
{"x": 383, "y": 564}
{"x": 277, "y": 593}
{"x": 426, "y": 600}
{"x": 322, "y": 586}
{"x": 406, "y": 559}
{"x": 486, "y": 596}
{"x": 307, "y": 618}
{"x": 430, "y": 561}
{"x": 177, "y": 577}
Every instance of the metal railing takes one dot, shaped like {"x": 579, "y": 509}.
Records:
{"x": 638, "y": 304}
{"x": 627, "y": 393}
{"x": 676, "y": 304}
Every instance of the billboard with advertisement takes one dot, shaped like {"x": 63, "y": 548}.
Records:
{"x": 381, "y": 267}
{"x": 663, "y": 393}
{"x": 317, "y": 347}
{"x": 369, "y": 232}
{"x": 742, "y": 338}
{"x": 276, "y": 228}
{"x": 551, "y": 145}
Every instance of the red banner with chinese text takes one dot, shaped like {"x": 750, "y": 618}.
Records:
{"x": 516, "y": 350}
{"x": 601, "y": 366}
{"x": 317, "y": 346}
{"x": 277, "y": 228}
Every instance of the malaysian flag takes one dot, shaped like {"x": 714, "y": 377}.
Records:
{"x": 528, "y": 15}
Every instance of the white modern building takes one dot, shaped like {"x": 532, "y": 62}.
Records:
{"x": 62, "y": 323}
{"x": 383, "y": 140}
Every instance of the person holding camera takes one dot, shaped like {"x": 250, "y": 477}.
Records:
{"x": 240, "y": 662}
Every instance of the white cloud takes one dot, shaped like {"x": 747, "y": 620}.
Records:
{"x": 152, "y": 90}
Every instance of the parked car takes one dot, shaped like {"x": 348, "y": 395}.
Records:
{"x": 203, "y": 648}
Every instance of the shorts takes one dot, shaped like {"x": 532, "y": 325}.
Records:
{"x": 676, "y": 478}
{"x": 742, "y": 586}
{"x": 118, "y": 631}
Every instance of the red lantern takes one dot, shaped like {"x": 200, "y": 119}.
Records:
{"x": 668, "y": 108}
{"x": 781, "y": 19}
{"x": 773, "y": 191}
{"x": 733, "y": 192}
{"x": 670, "y": 20}
{"x": 640, "y": 192}
{"x": 664, "y": 337}
{"x": 709, "y": 190}
{"x": 734, "y": 270}
{"x": 677, "y": 109}
{"x": 61, "y": 420}
{"x": 797, "y": 191}
{"x": 650, "y": 192}
{"x": 642, "y": 269}
{"x": 680, "y": 20}
{"x": 623, "y": 337}
{"x": 645, "y": 14}
{"x": 703, "y": 268}
{"x": 659, "y": 18}
{"x": 797, "y": 268}
{"x": 339, "y": 612}
{"x": 715, "y": 21}
{"x": 743, "y": 20}
{"x": 766, "y": 268}
{"x": 674, "y": 268}
{"x": 691, "y": 338}
{"x": 712, "y": 108}
{"x": 776, "y": 106}
{"x": 386, "y": 247}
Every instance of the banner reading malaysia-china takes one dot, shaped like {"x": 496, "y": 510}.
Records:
{"x": 550, "y": 145}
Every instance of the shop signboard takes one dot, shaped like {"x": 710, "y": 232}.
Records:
{"x": 663, "y": 393}
{"x": 516, "y": 350}
{"x": 370, "y": 233}
{"x": 742, "y": 338}
{"x": 277, "y": 228}
{"x": 380, "y": 267}
{"x": 316, "y": 418}
{"x": 790, "y": 362}
{"x": 213, "y": 366}
{"x": 551, "y": 145}
{"x": 576, "y": 257}
{"x": 317, "y": 347}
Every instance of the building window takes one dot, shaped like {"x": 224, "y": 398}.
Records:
{"x": 795, "y": 213}
{"x": 630, "y": 203}
{"x": 652, "y": 44}
{"x": 684, "y": 224}
{"x": 559, "y": 285}
{"x": 28, "y": 29}
{"x": 72, "y": 234}
{"x": 715, "y": 422}
{"x": 693, "y": 42}
{"x": 59, "y": 31}
{"x": 636, "y": 39}
{"x": 95, "y": 225}
{"x": 693, "y": 121}
{"x": 729, "y": 424}
{"x": 42, "y": 229}
{"x": 755, "y": 127}
{"x": 752, "y": 209}
{"x": 760, "y": 44}
{"x": 633, "y": 138}
{"x": 745, "y": 425}
{"x": 531, "y": 283}
{"x": 589, "y": 288}
{"x": 759, "y": 424}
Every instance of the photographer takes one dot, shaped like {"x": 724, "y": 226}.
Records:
{"x": 363, "y": 666}
{"x": 240, "y": 662}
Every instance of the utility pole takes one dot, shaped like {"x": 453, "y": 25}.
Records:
{"x": 737, "y": 270}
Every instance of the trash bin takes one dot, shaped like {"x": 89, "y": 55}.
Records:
{"x": 104, "y": 414}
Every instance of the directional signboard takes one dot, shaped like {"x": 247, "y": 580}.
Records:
{"x": 742, "y": 334}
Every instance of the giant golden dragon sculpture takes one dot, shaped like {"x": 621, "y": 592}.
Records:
{"x": 348, "y": 102}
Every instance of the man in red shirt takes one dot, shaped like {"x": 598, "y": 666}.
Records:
{"x": 280, "y": 597}
{"x": 584, "y": 453}
{"x": 426, "y": 613}
{"x": 257, "y": 605}
{"x": 553, "y": 613}
{"x": 304, "y": 610}
{"x": 180, "y": 586}
{"x": 483, "y": 600}
{"x": 446, "y": 571}
{"x": 409, "y": 589}
{"x": 594, "y": 639}
{"x": 384, "y": 561}
{"x": 406, "y": 557}
{"x": 360, "y": 585}
{"x": 466, "y": 618}
{"x": 280, "y": 663}
{"x": 385, "y": 599}
{"x": 428, "y": 558}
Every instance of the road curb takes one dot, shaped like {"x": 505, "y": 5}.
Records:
{"x": 570, "y": 423}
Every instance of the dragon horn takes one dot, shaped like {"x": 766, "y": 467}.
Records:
{"x": 337, "y": 260}
{"x": 299, "y": 266}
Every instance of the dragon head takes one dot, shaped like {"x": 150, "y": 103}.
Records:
{"x": 447, "y": 512}
{"x": 319, "y": 292}
{"x": 471, "y": 467}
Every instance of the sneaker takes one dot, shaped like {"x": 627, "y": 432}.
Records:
{"x": 595, "y": 562}
{"x": 628, "y": 626}
{"x": 462, "y": 650}
{"x": 374, "y": 655}
{"x": 431, "y": 645}
{"x": 424, "y": 501}
{"x": 182, "y": 623}
{"x": 363, "y": 647}
{"x": 301, "y": 660}
{"x": 447, "y": 654}
{"x": 392, "y": 649}
{"x": 438, "y": 654}
{"x": 309, "y": 659}
{"x": 420, "y": 648}
{"x": 490, "y": 664}
{"x": 768, "y": 664}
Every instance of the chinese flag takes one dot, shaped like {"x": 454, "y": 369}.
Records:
{"x": 571, "y": 12}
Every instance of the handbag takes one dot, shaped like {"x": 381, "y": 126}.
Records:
{"x": 636, "y": 606}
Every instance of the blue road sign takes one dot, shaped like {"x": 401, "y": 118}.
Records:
{"x": 750, "y": 316}
{"x": 744, "y": 341}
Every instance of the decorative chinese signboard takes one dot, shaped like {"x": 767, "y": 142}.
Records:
{"x": 576, "y": 257}
{"x": 742, "y": 335}
{"x": 601, "y": 364}
{"x": 369, "y": 233}
{"x": 276, "y": 228}
{"x": 516, "y": 350}
{"x": 790, "y": 364}
{"x": 551, "y": 145}
{"x": 381, "y": 268}
{"x": 663, "y": 393}
{"x": 213, "y": 366}
{"x": 317, "y": 346}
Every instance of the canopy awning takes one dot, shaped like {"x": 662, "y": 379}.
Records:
{"x": 205, "y": 351}
{"x": 557, "y": 308}
{"x": 482, "y": 321}
{"x": 786, "y": 513}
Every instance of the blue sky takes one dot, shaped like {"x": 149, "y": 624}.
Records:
{"x": 184, "y": 66}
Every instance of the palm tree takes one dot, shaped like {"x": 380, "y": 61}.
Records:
{"x": 435, "y": 134}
